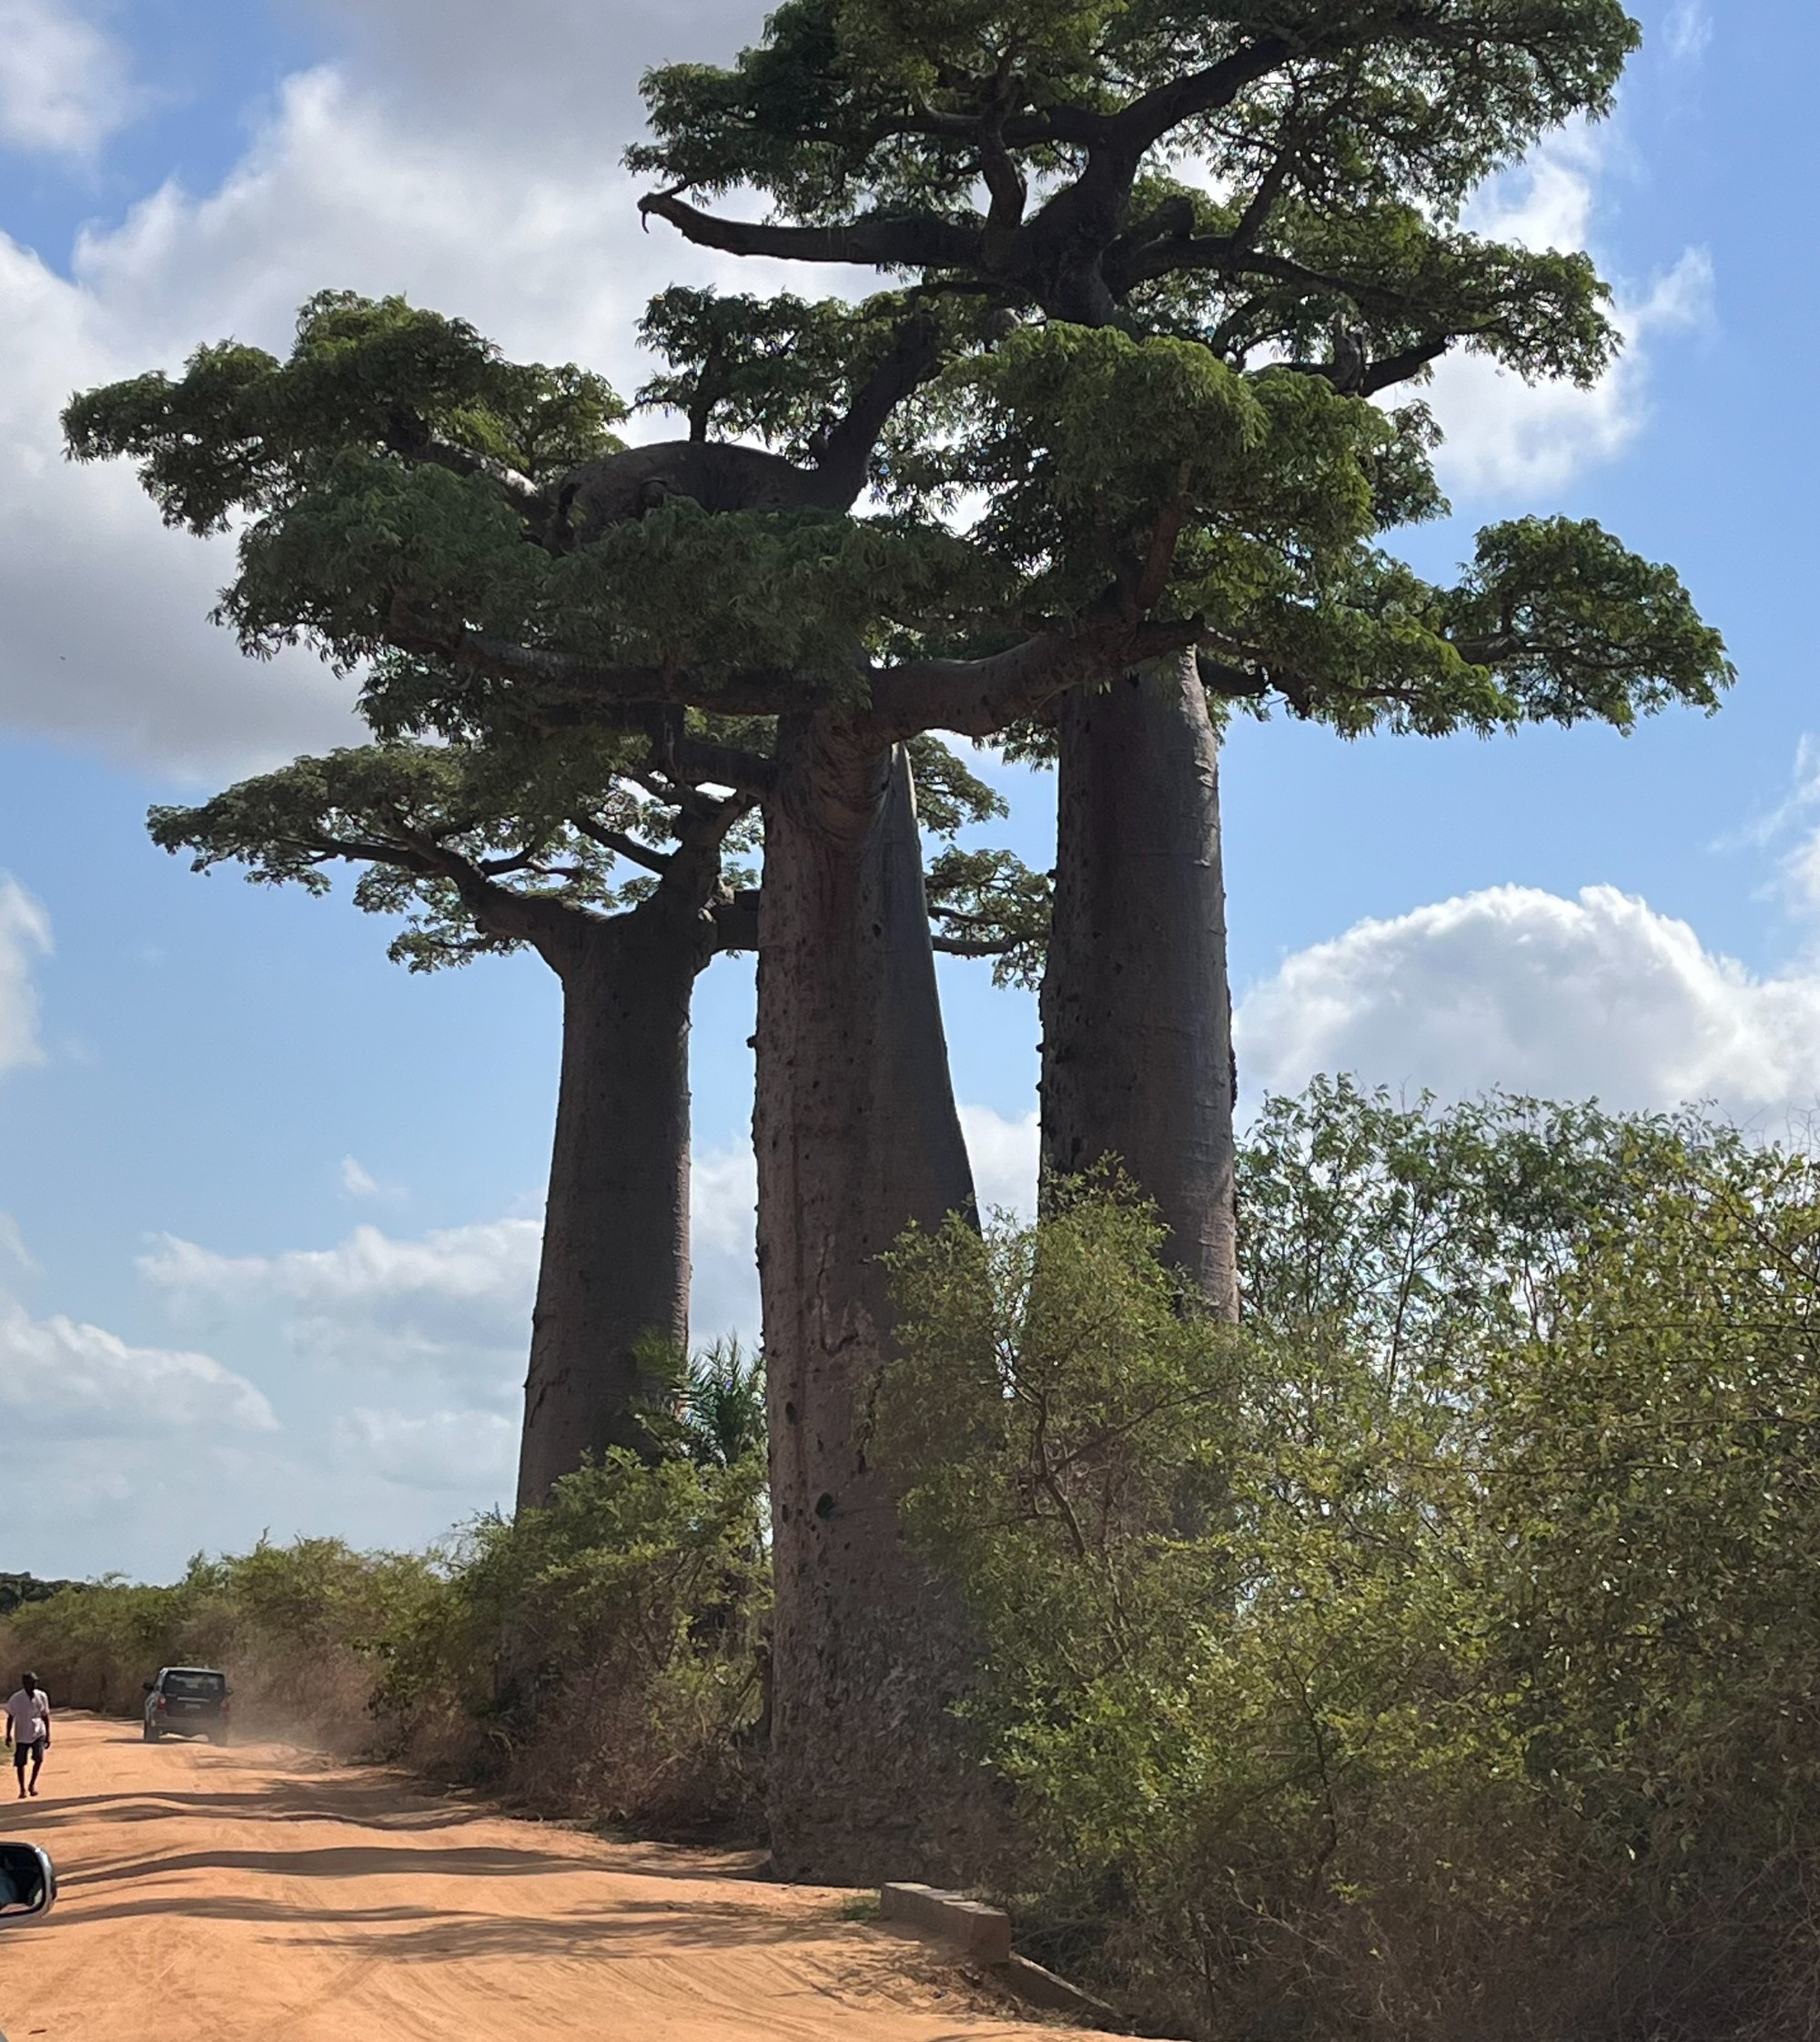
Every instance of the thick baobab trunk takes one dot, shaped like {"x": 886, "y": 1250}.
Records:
{"x": 1136, "y": 1014}
{"x": 615, "y": 1268}
{"x": 857, "y": 1136}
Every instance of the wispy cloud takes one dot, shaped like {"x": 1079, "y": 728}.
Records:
{"x": 1688, "y": 31}
{"x": 13, "y": 1247}
{"x": 64, "y": 84}
{"x": 1511, "y": 440}
{"x": 24, "y": 936}
{"x": 358, "y": 1182}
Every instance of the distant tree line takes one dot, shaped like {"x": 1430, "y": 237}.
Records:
{"x": 16, "y": 1589}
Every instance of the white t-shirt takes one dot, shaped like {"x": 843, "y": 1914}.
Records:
{"x": 28, "y": 1715}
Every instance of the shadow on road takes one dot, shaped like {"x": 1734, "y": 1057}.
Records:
{"x": 353, "y": 1861}
{"x": 626, "y": 1928}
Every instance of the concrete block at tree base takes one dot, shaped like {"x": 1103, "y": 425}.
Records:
{"x": 982, "y": 1933}
{"x": 1037, "y": 1988}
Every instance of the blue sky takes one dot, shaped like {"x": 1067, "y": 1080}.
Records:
{"x": 270, "y": 1205}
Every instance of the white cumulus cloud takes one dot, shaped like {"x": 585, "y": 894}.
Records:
{"x": 107, "y": 638}
{"x": 343, "y": 186}
{"x": 63, "y": 84}
{"x": 474, "y": 1452}
{"x": 1516, "y": 987}
{"x": 60, "y": 1378}
{"x": 1507, "y": 438}
{"x": 456, "y": 1302}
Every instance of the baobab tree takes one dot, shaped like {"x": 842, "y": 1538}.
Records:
{"x": 626, "y": 884}
{"x": 1149, "y": 500}
{"x": 1280, "y": 186}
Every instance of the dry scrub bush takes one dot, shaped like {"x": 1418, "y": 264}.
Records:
{"x": 1436, "y": 1658}
{"x": 601, "y": 1656}
{"x": 301, "y": 1630}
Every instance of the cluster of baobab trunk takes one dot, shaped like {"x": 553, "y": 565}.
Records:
{"x": 856, "y": 1126}
{"x": 858, "y": 1136}
{"x": 1341, "y": 139}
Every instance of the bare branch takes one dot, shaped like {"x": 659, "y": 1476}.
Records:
{"x": 550, "y": 926}
{"x": 1145, "y": 122}
{"x": 412, "y": 439}
{"x": 760, "y": 692}
{"x": 693, "y": 762}
{"x": 914, "y": 356}
{"x": 917, "y": 241}
{"x": 977, "y": 698}
{"x": 621, "y": 844}
{"x": 736, "y": 922}
{"x": 1405, "y": 367}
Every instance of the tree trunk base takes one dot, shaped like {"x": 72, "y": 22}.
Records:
{"x": 857, "y": 1137}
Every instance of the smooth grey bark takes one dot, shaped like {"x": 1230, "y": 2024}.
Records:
{"x": 614, "y": 1273}
{"x": 1136, "y": 1005}
{"x": 857, "y": 1136}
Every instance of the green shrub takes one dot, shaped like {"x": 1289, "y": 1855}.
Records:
{"x": 1434, "y": 1657}
{"x": 602, "y": 1655}
{"x": 302, "y": 1629}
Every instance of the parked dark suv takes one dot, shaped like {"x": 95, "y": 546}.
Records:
{"x": 187, "y": 1701}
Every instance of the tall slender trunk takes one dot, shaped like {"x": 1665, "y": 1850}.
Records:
{"x": 1136, "y": 1006}
{"x": 857, "y": 1136}
{"x": 615, "y": 1267}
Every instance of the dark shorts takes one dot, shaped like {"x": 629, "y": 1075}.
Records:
{"x": 36, "y": 1749}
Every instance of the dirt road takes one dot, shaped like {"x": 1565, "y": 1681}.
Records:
{"x": 223, "y": 1895}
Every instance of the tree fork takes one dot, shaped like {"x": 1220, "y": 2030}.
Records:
{"x": 857, "y": 1137}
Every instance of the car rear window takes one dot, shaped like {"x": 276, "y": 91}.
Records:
{"x": 199, "y": 1684}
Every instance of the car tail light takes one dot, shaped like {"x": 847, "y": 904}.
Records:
{"x": 226, "y": 1706}
{"x": 161, "y": 1704}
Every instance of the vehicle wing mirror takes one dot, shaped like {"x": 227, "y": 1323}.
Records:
{"x": 28, "y": 1884}
{"x": 144, "y": 1687}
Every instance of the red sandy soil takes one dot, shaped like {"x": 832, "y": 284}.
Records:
{"x": 219, "y": 1895}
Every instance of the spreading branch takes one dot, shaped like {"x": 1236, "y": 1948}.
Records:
{"x": 411, "y": 439}
{"x": 979, "y": 698}
{"x": 915, "y": 241}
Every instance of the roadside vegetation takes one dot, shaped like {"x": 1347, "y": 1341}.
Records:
{"x": 1431, "y": 1654}
{"x": 599, "y": 1658}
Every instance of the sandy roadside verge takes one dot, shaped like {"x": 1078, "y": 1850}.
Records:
{"x": 263, "y": 1892}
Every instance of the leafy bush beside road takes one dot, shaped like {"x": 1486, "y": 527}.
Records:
{"x": 1435, "y": 1657}
{"x": 600, "y": 1657}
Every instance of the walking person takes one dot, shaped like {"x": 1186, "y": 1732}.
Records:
{"x": 29, "y": 1729}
